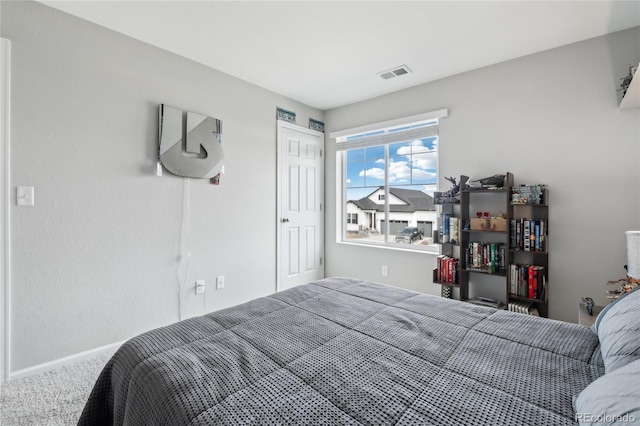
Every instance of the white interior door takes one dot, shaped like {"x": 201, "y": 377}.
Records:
{"x": 300, "y": 206}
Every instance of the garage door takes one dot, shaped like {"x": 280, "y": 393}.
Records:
{"x": 427, "y": 227}
{"x": 394, "y": 226}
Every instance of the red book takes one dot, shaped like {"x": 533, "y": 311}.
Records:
{"x": 531, "y": 281}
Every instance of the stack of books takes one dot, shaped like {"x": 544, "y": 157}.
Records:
{"x": 528, "y": 194}
{"x": 528, "y": 234}
{"x": 449, "y": 229}
{"x": 527, "y": 280}
{"x": 523, "y": 307}
{"x": 486, "y": 257}
{"x": 447, "y": 269}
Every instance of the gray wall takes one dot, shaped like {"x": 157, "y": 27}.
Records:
{"x": 96, "y": 260}
{"x": 550, "y": 118}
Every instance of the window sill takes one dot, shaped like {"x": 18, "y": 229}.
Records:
{"x": 427, "y": 250}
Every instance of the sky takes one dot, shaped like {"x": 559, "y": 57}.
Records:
{"x": 412, "y": 165}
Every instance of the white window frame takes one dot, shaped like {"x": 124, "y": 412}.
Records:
{"x": 340, "y": 138}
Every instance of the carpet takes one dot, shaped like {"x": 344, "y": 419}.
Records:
{"x": 54, "y": 398}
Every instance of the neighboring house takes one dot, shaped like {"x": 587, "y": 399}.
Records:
{"x": 407, "y": 207}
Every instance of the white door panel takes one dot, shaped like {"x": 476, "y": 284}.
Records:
{"x": 300, "y": 197}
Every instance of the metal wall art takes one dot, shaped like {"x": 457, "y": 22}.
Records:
{"x": 193, "y": 150}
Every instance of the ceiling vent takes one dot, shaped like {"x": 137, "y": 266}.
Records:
{"x": 395, "y": 72}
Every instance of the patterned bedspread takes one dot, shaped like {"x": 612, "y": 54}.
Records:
{"x": 342, "y": 351}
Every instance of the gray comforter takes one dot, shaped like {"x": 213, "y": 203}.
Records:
{"x": 343, "y": 351}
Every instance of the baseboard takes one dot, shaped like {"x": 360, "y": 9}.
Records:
{"x": 61, "y": 362}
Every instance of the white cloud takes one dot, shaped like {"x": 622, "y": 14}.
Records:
{"x": 417, "y": 164}
{"x": 424, "y": 161}
{"x": 415, "y": 147}
{"x": 375, "y": 172}
{"x": 423, "y": 175}
{"x": 399, "y": 172}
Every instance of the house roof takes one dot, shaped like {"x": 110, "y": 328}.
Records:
{"x": 416, "y": 201}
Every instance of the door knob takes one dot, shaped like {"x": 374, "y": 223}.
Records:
{"x": 285, "y": 220}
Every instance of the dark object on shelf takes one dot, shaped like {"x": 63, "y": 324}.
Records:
{"x": 485, "y": 301}
{"x": 626, "y": 81}
{"x": 454, "y": 190}
{"x": 495, "y": 181}
{"x": 625, "y": 285}
{"x": 588, "y": 303}
{"x": 450, "y": 196}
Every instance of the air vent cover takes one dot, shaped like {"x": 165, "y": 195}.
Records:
{"x": 394, "y": 72}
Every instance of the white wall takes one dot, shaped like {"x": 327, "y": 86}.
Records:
{"x": 550, "y": 118}
{"x": 96, "y": 261}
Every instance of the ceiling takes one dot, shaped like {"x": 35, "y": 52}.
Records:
{"x": 328, "y": 53}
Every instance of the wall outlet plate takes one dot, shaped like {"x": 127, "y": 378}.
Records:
{"x": 200, "y": 287}
{"x": 25, "y": 196}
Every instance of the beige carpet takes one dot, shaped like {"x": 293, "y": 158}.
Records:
{"x": 55, "y": 398}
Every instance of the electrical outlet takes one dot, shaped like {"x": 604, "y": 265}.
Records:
{"x": 385, "y": 271}
{"x": 199, "y": 286}
{"x": 220, "y": 282}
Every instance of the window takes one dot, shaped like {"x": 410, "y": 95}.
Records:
{"x": 387, "y": 174}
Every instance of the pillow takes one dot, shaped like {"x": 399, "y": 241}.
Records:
{"x": 619, "y": 331}
{"x": 611, "y": 399}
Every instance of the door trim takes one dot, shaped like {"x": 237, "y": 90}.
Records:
{"x": 280, "y": 124}
{"x": 5, "y": 241}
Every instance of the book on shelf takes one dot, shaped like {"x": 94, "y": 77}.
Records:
{"x": 449, "y": 229}
{"x": 447, "y": 269}
{"x": 445, "y": 235}
{"x": 527, "y": 280}
{"x": 454, "y": 230}
{"x": 528, "y": 234}
{"x": 486, "y": 257}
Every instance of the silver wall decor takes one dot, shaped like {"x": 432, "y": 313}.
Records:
{"x": 193, "y": 151}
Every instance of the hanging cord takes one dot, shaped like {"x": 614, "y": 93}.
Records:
{"x": 185, "y": 231}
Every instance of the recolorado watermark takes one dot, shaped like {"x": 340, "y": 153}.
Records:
{"x": 604, "y": 418}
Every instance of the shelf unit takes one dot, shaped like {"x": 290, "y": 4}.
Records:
{"x": 449, "y": 207}
{"x": 539, "y": 256}
{"x": 449, "y": 258}
{"x": 481, "y": 273}
{"x": 490, "y": 275}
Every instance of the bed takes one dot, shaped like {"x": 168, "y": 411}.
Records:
{"x": 342, "y": 351}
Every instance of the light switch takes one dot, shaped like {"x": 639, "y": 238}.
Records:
{"x": 24, "y": 196}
